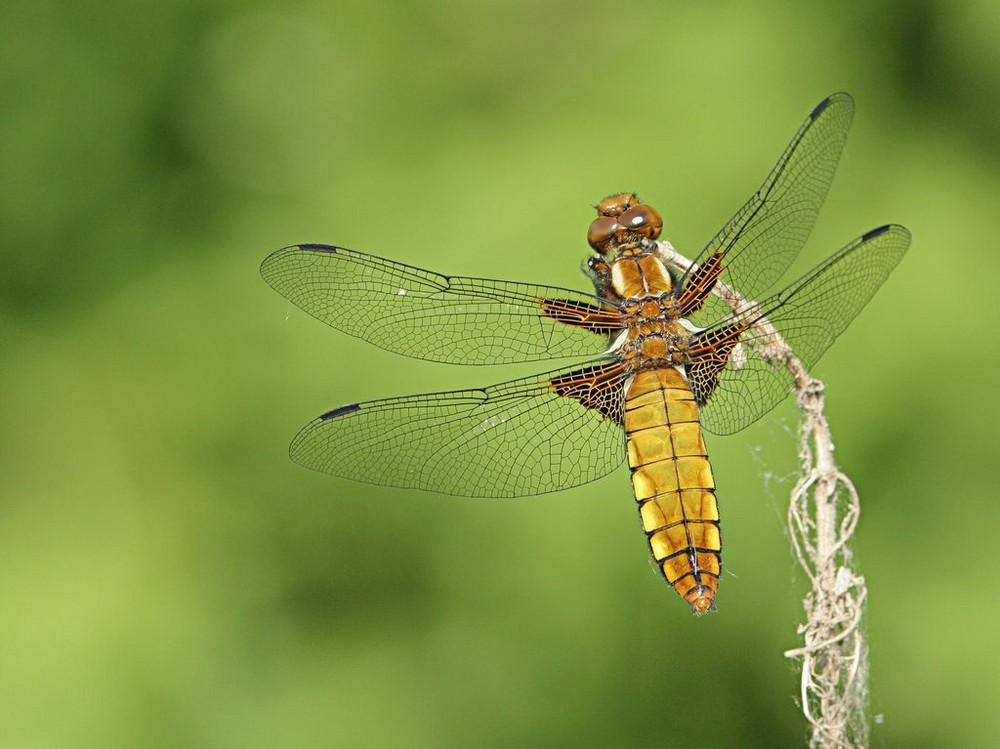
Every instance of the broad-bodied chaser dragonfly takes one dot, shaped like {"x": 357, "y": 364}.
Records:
{"x": 664, "y": 356}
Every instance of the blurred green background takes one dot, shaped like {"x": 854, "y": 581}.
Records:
{"x": 169, "y": 578}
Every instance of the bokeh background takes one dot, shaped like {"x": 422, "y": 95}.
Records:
{"x": 169, "y": 578}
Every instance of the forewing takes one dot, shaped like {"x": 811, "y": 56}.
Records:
{"x": 440, "y": 318}
{"x": 733, "y": 375}
{"x": 526, "y": 436}
{"x": 764, "y": 237}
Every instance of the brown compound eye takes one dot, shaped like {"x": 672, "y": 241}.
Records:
{"x": 601, "y": 230}
{"x": 643, "y": 220}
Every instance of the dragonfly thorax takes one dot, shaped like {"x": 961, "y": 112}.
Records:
{"x": 649, "y": 344}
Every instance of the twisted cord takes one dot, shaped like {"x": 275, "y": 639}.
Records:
{"x": 822, "y": 516}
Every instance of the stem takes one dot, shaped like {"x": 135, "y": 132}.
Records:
{"x": 822, "y": 516}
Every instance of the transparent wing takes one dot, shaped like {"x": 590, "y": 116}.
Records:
{"x": 764, "y": 237}
{"x": 527, "y": 436}
{"x": 430, "y": 316}
{"x": 735, "y": 377}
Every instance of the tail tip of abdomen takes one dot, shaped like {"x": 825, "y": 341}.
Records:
{"x": 701, "y": 598}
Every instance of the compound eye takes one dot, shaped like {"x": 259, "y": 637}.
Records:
{"x": 643, "y": 220}
{"x": 602, "y": 229}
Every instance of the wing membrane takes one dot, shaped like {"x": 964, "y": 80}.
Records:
{"x": 808, "y": 315}
{"x": 440, "y": 318}
{"x": 764, "y": 237}
{"x": 526, "y": 436}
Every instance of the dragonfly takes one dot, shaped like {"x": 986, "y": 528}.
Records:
{"x": 658, "y": 357}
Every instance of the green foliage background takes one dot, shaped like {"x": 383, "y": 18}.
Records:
{"x": 168, "y": 578}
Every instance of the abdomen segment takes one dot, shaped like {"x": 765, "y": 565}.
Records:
{"x": 673, "y": 484}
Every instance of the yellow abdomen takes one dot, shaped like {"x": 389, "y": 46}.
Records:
{"x": 673, "y": 484}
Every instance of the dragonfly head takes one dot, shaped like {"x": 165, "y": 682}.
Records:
{"x": 622, "y": 219}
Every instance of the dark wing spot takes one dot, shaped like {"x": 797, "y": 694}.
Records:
{"x": 874, "y": 233}
{"x": 320, "y": 247}
{"x": 820, "y": 107}
{"x": 342, "y": 411}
